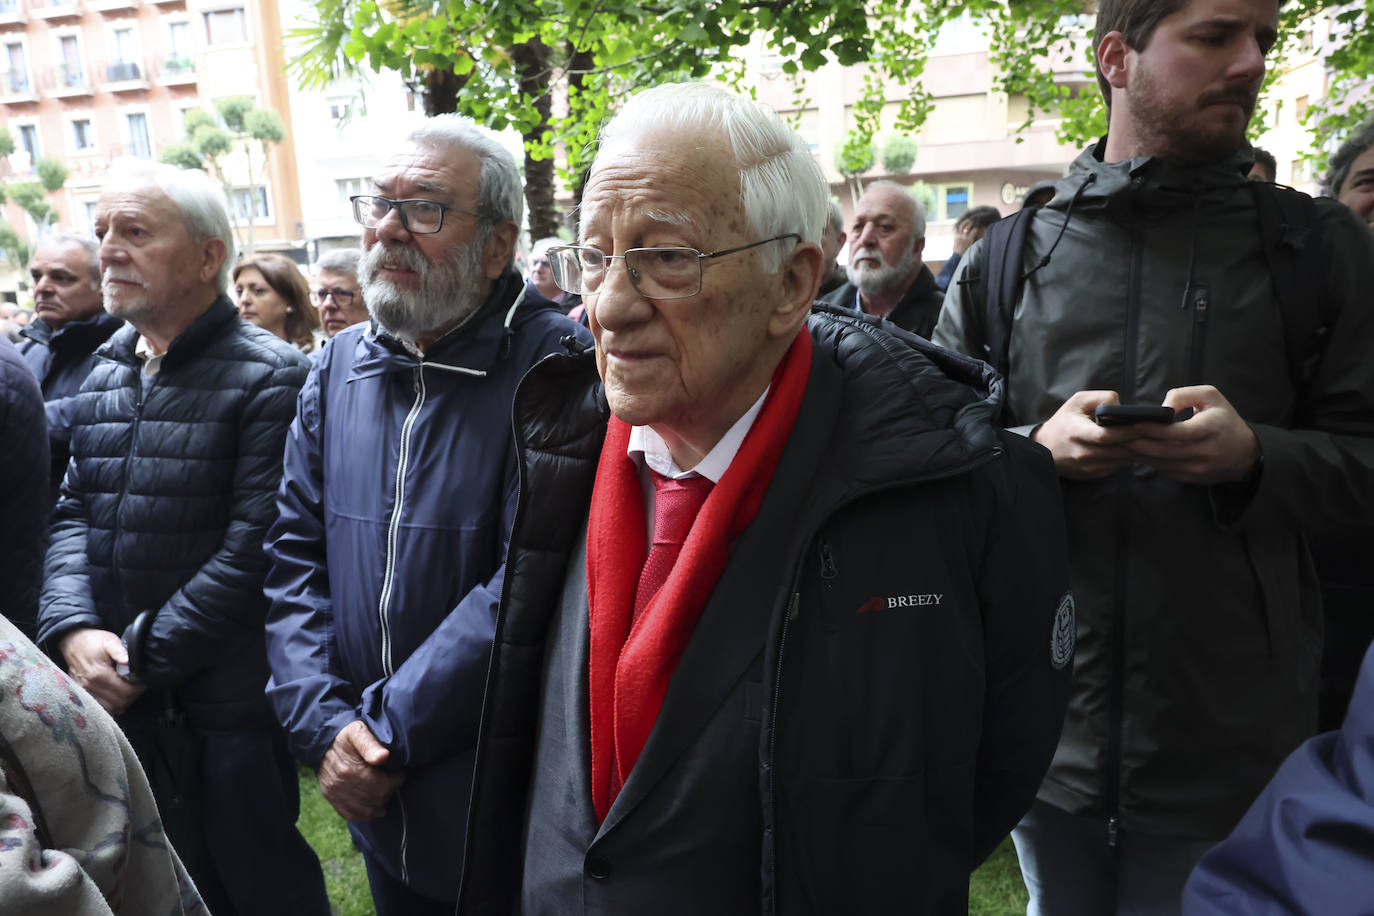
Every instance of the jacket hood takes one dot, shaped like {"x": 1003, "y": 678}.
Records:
{"x": 1094, "y": 182}
{"x": 904, "y": 409}
{"x": 472, "y": 348}
{"x": 207, "y": 326}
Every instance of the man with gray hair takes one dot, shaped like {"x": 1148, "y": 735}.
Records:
{"x": 833, "y": 680}
{"x": 384, "y": 597}
{"x": 887, "y": 278}
{"x": 336, "y": 292}
{"x": 69, "y": 323}
{"x": 153, "y": 590}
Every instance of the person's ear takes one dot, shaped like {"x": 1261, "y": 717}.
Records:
{"x": 213, "y": 253}
{"x": 499, "y": 248}
{"x": 800, "y": 275}
{"x": 1114, "y": 60}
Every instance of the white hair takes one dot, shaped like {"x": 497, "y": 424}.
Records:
{"x": 781, "y": 188}
{"x": 195, "y": 195}
{"x": 500, "y": 195}
{"x": 340, "y": 261}
{"x": 918, "y": 212}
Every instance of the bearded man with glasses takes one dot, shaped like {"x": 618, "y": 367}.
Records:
{"x": 396, "y": 506}
{"x": 786, "y": 627}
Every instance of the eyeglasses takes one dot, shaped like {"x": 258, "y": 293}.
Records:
{"x": 418, "y": 215}
{"x": 341, "y": 296}
{"x": 656, "y": 273}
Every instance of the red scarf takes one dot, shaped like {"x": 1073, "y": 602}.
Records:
{"x": 630, "y": 669}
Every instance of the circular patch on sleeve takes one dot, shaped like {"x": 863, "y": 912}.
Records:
{"x": 1064, "y": 633}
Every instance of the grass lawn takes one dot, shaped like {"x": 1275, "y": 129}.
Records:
{"x": 996, "y": 888}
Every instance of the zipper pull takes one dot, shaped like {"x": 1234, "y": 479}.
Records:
{"x": 1112, "y": 827}
{"x": 1200, "y": 301}
{"x": 828, "y": 570}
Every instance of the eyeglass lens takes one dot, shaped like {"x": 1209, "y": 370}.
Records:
{"x": 417, "y": 215}
{"x": 341, "y": 296}
{"x": 658, "y": 273}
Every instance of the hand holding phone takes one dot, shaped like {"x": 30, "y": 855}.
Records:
{"x": 1130, "y": 414}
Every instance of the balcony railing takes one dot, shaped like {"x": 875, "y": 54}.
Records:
{"x": 15, "y": 86}
{"x": 176, "y": 71}
{"x": 67, "y": 81}
{"x": 124, "y": 75}
{"x": 55, "y": 9}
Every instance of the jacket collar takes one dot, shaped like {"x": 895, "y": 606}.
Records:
{"x": 472, "y": 348}
{"x": 1149, "y": 175}
{"x": 204, "y": 330}
{"x": 89, "y": 332}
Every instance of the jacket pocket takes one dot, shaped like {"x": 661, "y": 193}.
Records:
{"x": 877, "y": 845}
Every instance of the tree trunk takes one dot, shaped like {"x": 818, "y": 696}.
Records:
{"x": 578, "y": 63}
{"x": 441, "y": 91}
{"x": 531, "y": 60}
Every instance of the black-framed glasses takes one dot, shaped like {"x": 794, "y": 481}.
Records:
{"x": 657, "y": 273}
{"x": 341, "y": 296}
{"x": 418, "y": 215}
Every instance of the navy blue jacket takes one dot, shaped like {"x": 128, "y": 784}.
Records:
{"x": 23, "y": 511}
{"x": 1307, "y": 843}
{"x": 388, "y": 557}
{"x": 165, "y": 506}
{"x": 61, "y": 360}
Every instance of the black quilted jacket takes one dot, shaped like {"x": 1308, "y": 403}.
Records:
{"x": 165, "y": 507}
{"x": 23, "y": 508}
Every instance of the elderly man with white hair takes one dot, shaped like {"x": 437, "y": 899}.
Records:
{"x": 396, "y": 506}
{"x": 786, "y": 624}
{"x": 153, "y": 594}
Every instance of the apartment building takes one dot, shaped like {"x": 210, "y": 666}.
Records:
{"x": 89, "y": 81}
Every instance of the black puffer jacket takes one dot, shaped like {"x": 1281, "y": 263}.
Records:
{"x": 61, "y": 360}
{"x": 169, "y": 496}
{"x": 23, "y": 511}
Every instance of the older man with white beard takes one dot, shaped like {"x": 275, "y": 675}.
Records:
{"x": 887, "y": 278}
{"x": 396, "y": 508}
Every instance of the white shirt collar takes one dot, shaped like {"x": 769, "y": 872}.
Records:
{"x": 648, "y": 446}
{"x": 152, "y": 361}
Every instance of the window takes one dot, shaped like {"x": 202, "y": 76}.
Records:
{"x": 951, "y": 201}
{"x": 70, "y": 72}
{"x": 351, "y": 186}
{"x": 227, "y": 26}
{"x": 28, "y": 141}
{"x": 83, "y": 137}
{"x": 1300, "y": 108}
{"x": 122, "y": 40}
{"x": 88, "y": 211}
{"x": 16, "y": 77}
{"x": 251, "y": 200}
{"x": 179, "y": 42}
{"x": 339, "y": 108}
{"x": 139, "y": 144}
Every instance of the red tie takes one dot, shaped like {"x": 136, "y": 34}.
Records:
{"x": 676, "y": 504}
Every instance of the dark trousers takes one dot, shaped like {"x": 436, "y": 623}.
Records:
{"x": 392, "y": 898}
{"x": 235, "y": 826}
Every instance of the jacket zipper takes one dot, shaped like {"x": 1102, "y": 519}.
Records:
{"x": 1200, "y": 301}
{"x": 388, "y": 577}
{"x": 828, "y": 572}
{"x": 124, "y": 492}
{"x": 1116, "y": 690}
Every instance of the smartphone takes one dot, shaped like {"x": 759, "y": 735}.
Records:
{"x": 1128, "y": 414}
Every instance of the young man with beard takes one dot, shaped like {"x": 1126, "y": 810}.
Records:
{"x": 887, "y": 278}
{"x": 396, "y": 507}
{"x": 1147, "y": 283}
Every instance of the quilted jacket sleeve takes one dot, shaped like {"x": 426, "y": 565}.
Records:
{"x": 1028, "y": 623}
{"x": 223, "y": 599}
{"x": 23, "y": 504}
{"x": 311, "y": 700}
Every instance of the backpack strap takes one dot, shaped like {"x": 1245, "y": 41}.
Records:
{"x": 1291, "y": 238}
{"x": 1001, "y": 282}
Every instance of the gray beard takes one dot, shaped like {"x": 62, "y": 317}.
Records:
{"x": 882, "y": 279}
{"x": 448, "y": 295}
